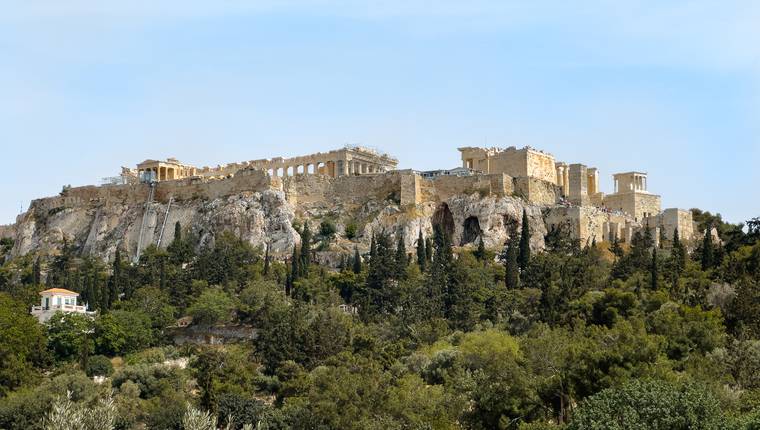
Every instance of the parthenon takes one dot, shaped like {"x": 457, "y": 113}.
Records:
{"x": 349, "y": 160}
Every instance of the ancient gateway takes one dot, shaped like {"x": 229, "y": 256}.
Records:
{"x": 577, "y": 183}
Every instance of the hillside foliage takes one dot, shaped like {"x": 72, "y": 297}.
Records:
{"x": 612, "y": 336}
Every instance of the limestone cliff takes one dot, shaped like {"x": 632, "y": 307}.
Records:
{"x": 99, "y": 225}
{"x": 262, "y": 210}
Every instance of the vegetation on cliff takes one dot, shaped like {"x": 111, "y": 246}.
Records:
{"x": 628, "y": 336}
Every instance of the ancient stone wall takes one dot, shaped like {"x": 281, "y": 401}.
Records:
{"x": 638, "y": 204}
{"x": 589, "y": 223}
{"x": 184, "y": 189}
{"x": 319, "y": 191}
{"x": 578, "y": 184}
{"x": 673, "y": 218}
{"x": 511, "y": 161}
{"x": 540, "y": 166}
{"x": 415, "y": 189}
{"x": 537, "y": 191}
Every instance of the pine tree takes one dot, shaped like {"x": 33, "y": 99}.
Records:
{"x": 523, "y": 257}
{"x": 400, "y": 257}
{"x": 421, "y": 253}
{"x": 707, "y": 249}
{"x": 357, "y": 264}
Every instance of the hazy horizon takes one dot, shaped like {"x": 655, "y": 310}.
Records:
{"x": 672, "y": 90}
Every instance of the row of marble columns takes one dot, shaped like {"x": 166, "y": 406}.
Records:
{"x": 563, "y": 178}
{"x": 330, "y": 168}
{"x": 157, "y": 174}
{"x": 639, "y": 184}
{"x": 163, "y": 173}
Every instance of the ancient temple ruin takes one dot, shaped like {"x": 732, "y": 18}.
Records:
{"x": 349, "y": 160}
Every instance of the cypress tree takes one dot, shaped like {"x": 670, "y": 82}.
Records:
{"x": 400, "y": 258}
{"x": 653, "y": 270}
{"x": 616, "y": 249}
{"x": 114, "y": 284}
{"x": 162, "y": 273}
{"x": 509, "y": 258}
{"x": 294, "y": 264}
{"x": 103, "y": 293}
{"x": 523, "y": 258}
{"x": 305, "y": 249}
{"x": 429, "y": 249}
{"x": 266, "y": 260}
{"x": 372, "y": 247}
{"x": 438, "y": 274}
{"x": 678, "y": 254}
{"x": 707, "y": 249}
{"x": 480, "y": 253}
{"x": 36, "y": 272}
{"x": 357, "y": 263}
{"x": 89, "y": 293}
{"x": 421, "y": 253}
{"x": 288, "y": 281}
{"x": 177, "y": 232}
{"x": 380, "y": 297}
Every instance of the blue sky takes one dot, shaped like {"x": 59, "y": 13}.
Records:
{"x": 671, "y": 88}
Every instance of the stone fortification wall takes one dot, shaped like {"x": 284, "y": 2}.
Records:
{"x": 541, "y": 166}
{"x": 590, "y": 224}
{"x": 181, "y": 190}
{"x": 673, "y": 218}
{"x": 346, "y": 191}
{"x": 639, "y": 205}
{"x": 537, "y": 191}
{"x": 511, "y": 161}
{"x": 485, "y": 185}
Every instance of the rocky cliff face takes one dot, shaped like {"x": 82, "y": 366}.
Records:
{"x": 258, "y": 217}
{"x": 98, "y": 228}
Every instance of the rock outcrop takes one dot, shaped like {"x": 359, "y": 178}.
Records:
{"x": 267, "y": 217}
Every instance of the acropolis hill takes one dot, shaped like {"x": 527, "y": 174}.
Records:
{"x": 259, "y": 200}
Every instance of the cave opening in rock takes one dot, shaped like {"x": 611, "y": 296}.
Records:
{"x": 471, "y": 230}
{"x": 443, "y": 219}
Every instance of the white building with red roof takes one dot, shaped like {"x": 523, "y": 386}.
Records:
{"x": 58, "y": 300}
